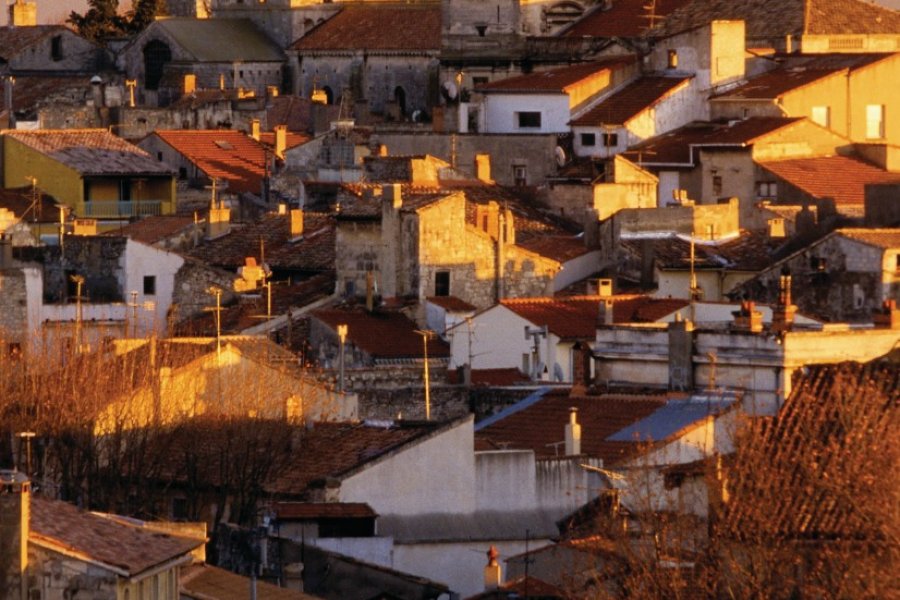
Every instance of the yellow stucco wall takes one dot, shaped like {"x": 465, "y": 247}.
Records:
{"x": 58, "y": 180}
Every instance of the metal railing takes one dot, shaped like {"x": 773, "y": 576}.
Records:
{"x": 115, "y": 208}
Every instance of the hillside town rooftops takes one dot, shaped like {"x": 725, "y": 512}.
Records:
{"x": 555, "y": 80}
{"x": 621, "y": 18}
{"x": 630, "y": 101}
{"x": 369, "y": 331}
{"x": 221, "y": 40}
{"x": 841, "y": 178}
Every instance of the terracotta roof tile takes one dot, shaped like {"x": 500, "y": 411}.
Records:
{"x": 132, "y": 549}
{"x": 154, "y": 229}
{"x": 775, "y": 19}
{"x": 370, "y": 331}
{"x": 839, "y": 177}
{"x": 560, "y": 248}
{"x": 206, "y": 582}
{"x": 630, "y": 101}
{"x": 313, "y": 252}
{"x": 223, "y": 154}
{"x": 322, "y": 510}
{"x": 675, "y": 147}
{"x": 774, "y": 84}
{"x": 295, "y": 112}
{"x": 292, "y": 139}
{"x": 541, "y": 425}
{"x": 748, "y": 251}
{"x": 575, "y": 317}
{"x": 880, "y": 238}
{"x": 555, "y": 80}
{"x": 373, "y": 27}
{"x": 623, "y": 18}
{"x": 90, "y": 151}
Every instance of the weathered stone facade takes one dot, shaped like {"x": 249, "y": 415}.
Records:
{"x": 192, "y": 282}
{"x": 13, "y": 307}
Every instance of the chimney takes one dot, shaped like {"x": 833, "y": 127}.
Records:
{"x": 483, "y": 168}
{"x": 97, "y": 91}
{"x": 393, "y": 193}
{"x": 573, "y": 434}
{"x": 280, "y": 140}
{"x": 23, "y": 14}
{"x": 190, "y": 83}
{"x": 493, "y": 576}
{"x": 606, "y": 315}
{"x": 296, "y": 223}
{"x": 282, "y": 208}
{"x": 254, "y": 129}
{"x": 784, "y": 311}
{"x": 84, "y": 227}
{"x": 272, "y": 91}
{"x": 604, "y": 287}
{"x": 888, "y": 317}
{"x": 218, "y": 223}
{"x": 748, "y": 318}
{"x": 776, "y": 228}
{"x": 15, "y": 489}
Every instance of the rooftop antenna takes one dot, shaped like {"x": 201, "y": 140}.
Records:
{"x": 426, "y": 334}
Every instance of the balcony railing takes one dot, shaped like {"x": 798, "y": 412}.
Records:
{"x": 114, "y": 208}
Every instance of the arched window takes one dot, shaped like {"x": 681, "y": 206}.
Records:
{"x": 156, "y": 55}
{"x": 329, "y": 93}
{"x": 400, "y": 99}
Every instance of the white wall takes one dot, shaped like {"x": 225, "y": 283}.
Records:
{"x": 375, "y": 550}
{"x": 435, "y": 475}
{"x": 500, "y": 112}
{"x": 142, "y": 260}
{"x": 577, "y": 269}
{"x": 497, "y": 338}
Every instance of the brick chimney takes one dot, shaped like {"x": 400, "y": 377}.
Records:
{"x": 888, "y": 317}
{"x": 254, "y": 129}
{"x": 493, "y": 576}
{"x": 15, "y": 501}
{"x": 784, "y": 311}
{"x": 483, "y": 168}
{"x": 573, "y": 434}
{"x": 280, "y": 140}
{"x": 748, "y": 318}
{"x": 605, "y": 315}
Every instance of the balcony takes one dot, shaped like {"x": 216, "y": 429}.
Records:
{"x": 104, "y": 209}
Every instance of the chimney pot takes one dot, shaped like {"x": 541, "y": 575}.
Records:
{"x": 393, "y": 193}
{"x": 254, "y": 129}
{"x": 280, "y": 140}
{"x": 573, "y": 434}
{"x": 296, "y": 223}
{"x": 492, "y": 573}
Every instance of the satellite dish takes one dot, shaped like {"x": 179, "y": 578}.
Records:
{"x": 450, "y": 90}
{"x": 560, "y": 156}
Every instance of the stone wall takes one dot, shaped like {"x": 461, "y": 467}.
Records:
{"x": 190, "y": 296}
{"x": 13, "y": 307}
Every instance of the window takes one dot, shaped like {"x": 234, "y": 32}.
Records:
{"x": 717, "y": 184}
{"x": 610, "y": 140}
{"x": 874, "y": 121}
{"x": 672, "y": 59}
{"x": 529, "y": 119}
{"x": 182, "y": 173}
{"x": 159, "y": 156}
{"x": 588, "y": 139}
{"x": 179, "y": 509}
{"x": 442, "y": 283}
{"x": 767, "y": 189}
{"x": 520, "y": 175}
{"x": 817, "y": 264}
{"x": 149, "y": 285}
{"x": 56, "y": 49}
{"x": 821, "y": 115}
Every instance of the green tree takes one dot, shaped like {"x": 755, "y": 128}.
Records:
{"x": 102, "y": 21}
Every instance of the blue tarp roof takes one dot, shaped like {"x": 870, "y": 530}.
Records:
{"x": 674, "y": 417}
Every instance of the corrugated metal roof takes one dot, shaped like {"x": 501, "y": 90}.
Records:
{"x": 222, "y": 40}
{"x": 675, "y": 416}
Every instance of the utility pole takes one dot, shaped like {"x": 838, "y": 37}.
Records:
{"x": 78, "y": 280}
{"x": 134, "y": 313}
{"x": 426, "y": 334}
{"x": 342, "y": 336}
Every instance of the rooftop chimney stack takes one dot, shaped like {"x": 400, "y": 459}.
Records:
{"x": 218, "y": 223}
{"x": 748, "y": 318}
{"x": 280, "y": 140}
{"x": 15, "y": 489}
{"x": 606, "y": 315}
{"x": 888, "y": 317}
{"x": 23, "y": 14}
{"x": 393, "y": 193}
{"x": 483, "y": 168}
{"x": 493, "y": 576}
{"x": 573, "y": 434}
{"x": 296, "y": 223}
{"x": 784, "y": 311}
{"x": 254, "y": 129}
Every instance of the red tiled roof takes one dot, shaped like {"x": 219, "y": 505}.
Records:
{"x": 541, "y": 425}
{"x": 383, "y": 334}
{"x": 323, "y": 510}
{"x": 555, "y": 80}
{"x": 206, "y": 582}
{"x": 775, "y": 19}
{"x": 630, "y": 101}
{"x": 560, "y": 248}
{"x": 624, "y": 18}
{"x": 880, "y": 238}
{"x": 313, "y": 252}
{"x": 295, "y": 112}
{"x": 575, "y": 317}
{"x": 223, "y": 154}
{"x": 132, "y": 549}
{"x": 90, "y": 151}
{"x": 372, "y": 27}
{"x": 154, "y": 229}
{"x": 674, "y": 147}
{"x": 451, "y": 303}
{"x": 839, "y": 177}
{"x": 292, "y": 139}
